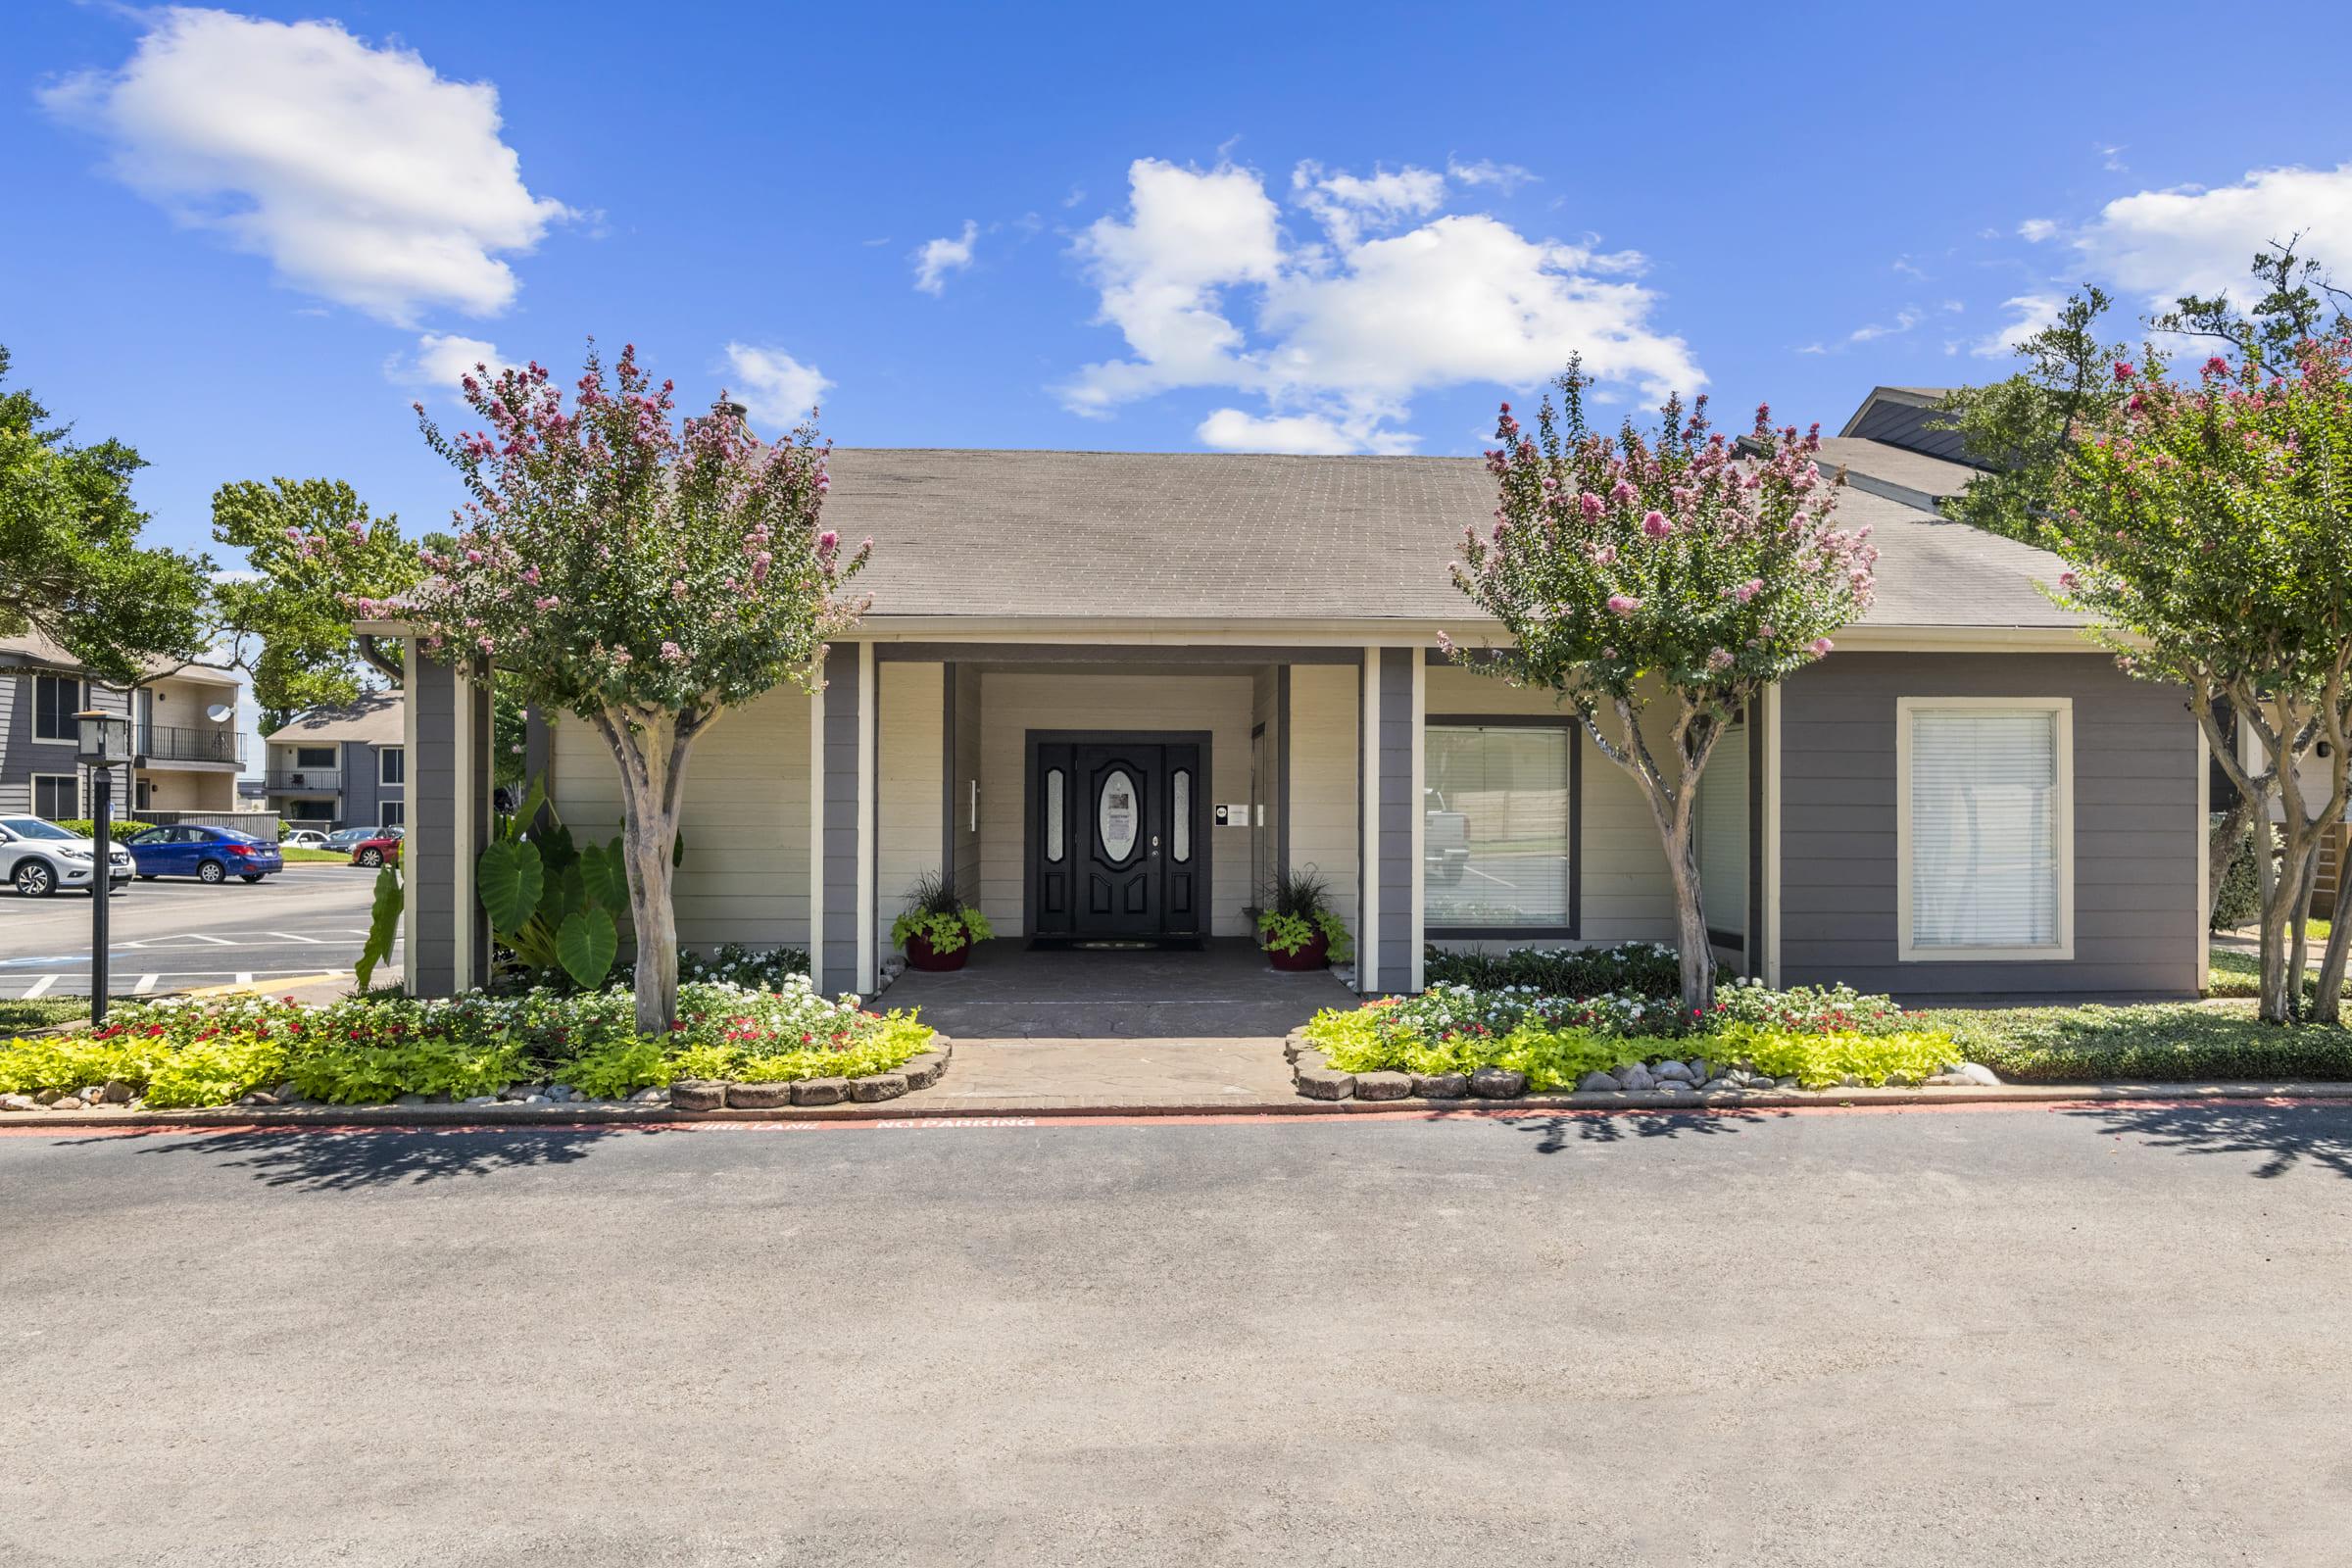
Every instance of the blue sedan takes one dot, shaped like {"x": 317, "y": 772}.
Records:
{"x": 207, "y": 854}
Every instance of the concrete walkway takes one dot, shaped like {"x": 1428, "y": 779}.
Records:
{"x": 1050, "y": 1029}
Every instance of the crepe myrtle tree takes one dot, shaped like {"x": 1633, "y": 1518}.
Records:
{"x": 2205, "y": 524}
{"x": 643, "y": 575}
{"x": 1675, "y": 572}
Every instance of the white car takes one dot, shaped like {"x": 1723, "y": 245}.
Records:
{"x": 37, "y": 857}
{"x": 302, "y": 838}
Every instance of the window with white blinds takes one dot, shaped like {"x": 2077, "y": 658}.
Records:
{"x": 1986, "y": 823}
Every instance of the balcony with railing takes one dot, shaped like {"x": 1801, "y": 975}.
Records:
{"x": 306, "y": 780}
{"x": 173, "y": 743}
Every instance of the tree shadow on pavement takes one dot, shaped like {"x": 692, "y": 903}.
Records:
{"x": 1552, "y": 1133}
{"x": 2283, "y": 1133}
{"x": 356, "y": 1158}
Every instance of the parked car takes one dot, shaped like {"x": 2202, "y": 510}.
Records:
{"x": 347, "y": 839}
{"x": 207, "y": 854}
{"x": 37, "y": 857}
{"x": 301, "y": 838}
{"x": 374, "y": 851}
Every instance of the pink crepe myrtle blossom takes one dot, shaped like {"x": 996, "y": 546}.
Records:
{"x": 1655, "y": 525}
{"x": 1624, "y": 603}
{"x": 1819, "y": 646}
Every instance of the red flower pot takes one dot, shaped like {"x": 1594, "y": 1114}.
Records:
{"x": 1316, "y": 954}
{"x": 921, "y": 956}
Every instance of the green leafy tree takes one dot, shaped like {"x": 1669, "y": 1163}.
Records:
{"x": 1669, "y": 574}
{"x": 312, "y": 544}
{"x": 2206, "y": 528}
{"x": 642, "y": 576}
{"x": 2298, "y": 304}
{"x": 71, "y": 563}
{"x": 2020, "y": 430}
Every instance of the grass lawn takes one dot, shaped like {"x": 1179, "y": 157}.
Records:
{"x": 2239, "y": 974}
{"x": 41, "y": 1011}
{"x": 313, "y": 857}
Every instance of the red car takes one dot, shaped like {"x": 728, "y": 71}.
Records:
{"x": 374, "y": 851}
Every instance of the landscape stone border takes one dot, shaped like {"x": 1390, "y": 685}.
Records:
{"x": 919, "y": 1071}
{"x": 1696, "y": 1081}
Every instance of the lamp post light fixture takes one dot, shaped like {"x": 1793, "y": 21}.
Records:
{"x": 103, "y": 745}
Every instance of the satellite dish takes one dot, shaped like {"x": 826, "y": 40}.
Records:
{"x": 220, "y": 713}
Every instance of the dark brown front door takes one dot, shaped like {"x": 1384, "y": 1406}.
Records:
{"x": 1115, "y": 833}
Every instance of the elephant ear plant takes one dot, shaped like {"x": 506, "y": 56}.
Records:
{"x": 555, "y": 906}
{"x": 1301, "y": 909}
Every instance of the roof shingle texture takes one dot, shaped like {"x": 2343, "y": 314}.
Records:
{"x": 376, "y": 719}
{"x": 1153, "y": 536}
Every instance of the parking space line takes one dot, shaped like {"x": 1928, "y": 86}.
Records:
{"x": 245, "y": 979}
{"x": 145, "y": 985}
{"x": 40, "y": 986}
{"x": 198, "y": 936}
{"x": 291, "y": 937}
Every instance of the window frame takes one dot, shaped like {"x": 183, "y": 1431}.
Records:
{"x": 2062, "y": 711}
{"x": 384, "y": 756}
{"x": 76, "y": 701}
{"x": 1431, "y": 930}
{"x": 392, "y": 813}
{"x": 32, "y": 795}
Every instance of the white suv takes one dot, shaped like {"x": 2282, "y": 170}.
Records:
{"x": 37, "y": 857}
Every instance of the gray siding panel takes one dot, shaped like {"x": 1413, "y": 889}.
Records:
{"x": 1395, "y": 819}
{"x": 838, "y": 788}
{"x": 2137, "y": 835}
{"x": 431, "y": 855}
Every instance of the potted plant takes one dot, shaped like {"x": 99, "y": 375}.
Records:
{"x": 1300, "y": 930}
{"x": 938, "y": 929}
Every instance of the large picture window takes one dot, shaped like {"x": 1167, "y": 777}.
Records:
{"x": 56, "y": 796}
{"x": 1985, "y": 821}
{"x": 1498, "y": 828}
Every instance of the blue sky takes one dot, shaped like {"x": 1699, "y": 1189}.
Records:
{"x": 245, "y": 246}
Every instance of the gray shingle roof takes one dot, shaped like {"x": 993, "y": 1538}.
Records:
{"x": 1155, "y": 536}
{"x": 1897, "y": 472}
{"x": 376, "y": 719}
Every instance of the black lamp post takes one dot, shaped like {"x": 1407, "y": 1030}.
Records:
{"x": 104, "y": 745}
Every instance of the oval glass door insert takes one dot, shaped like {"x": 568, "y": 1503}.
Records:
{"x": 1118, "y": 817}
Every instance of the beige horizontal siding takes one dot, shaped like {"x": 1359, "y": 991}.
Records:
{"x": 1326, "y": 833}
{"x": 744, "y": 877}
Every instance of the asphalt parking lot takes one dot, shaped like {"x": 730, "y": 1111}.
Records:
{"x": 177, "y": 935}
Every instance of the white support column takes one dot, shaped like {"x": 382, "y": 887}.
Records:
{"x": 1420, "y": 816}
{"x": 868, "y": 742}
{"x": 1367, "y": 905}
{"x": 816, "y": 837}
{"x": 1771, "y": 836}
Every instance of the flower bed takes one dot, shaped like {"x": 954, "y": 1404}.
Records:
{"x": 1453, "y": 1039}
{"x": 534, "y": 1047}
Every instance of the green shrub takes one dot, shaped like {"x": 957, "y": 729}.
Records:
{"x": 1822, "y": 1060}
{"x": 67, "y": 1063}
{"x": 216, "y": 1071}
{"x": 1629, "y": 968}
{"x": 616, "y": 1069}
{"x": 361, "y": 1071}
{"x": 754, "y": 968}
{"x": 2239, "y": 900}
{"x": 2151, "y": 1042}
{"x": 87, "y": 827}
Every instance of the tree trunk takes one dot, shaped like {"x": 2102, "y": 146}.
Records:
{"x": 651, "y": 750}
{"x": 1692, "y": 943}
{"x": 2221, "y": 848}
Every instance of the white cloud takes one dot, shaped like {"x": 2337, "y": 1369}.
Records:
{"x": 2031, "y": 313}
{"x": 2110, "y": 158}
{"x": 1904, "y": 321}
{"x": 775, "y": 388}
{"x": 442, "y": 360}
{"x": 2033, "y": 230}
{"x": 2161, "y": 244}
{"x": 935, "y": 258}
{"x": 1346, "y": 334}
{"x": 1346, "y": 205}
{"x": 1508, "y": 177}
{"x": 362, "y": 176}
